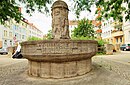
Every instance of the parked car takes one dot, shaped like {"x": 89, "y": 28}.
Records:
{"x": 3, "y": 51}
{"x": 125, "y": 47}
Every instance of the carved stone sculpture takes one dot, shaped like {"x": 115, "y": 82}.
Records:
{"x": 60, "y": 24}
{"x": 59, "y": 57}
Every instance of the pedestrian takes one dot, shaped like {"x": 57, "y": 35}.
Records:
{"x": 17, "y": 53}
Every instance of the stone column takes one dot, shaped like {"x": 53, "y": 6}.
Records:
{"x": 60, "y": 23}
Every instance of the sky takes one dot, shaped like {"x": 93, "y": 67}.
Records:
{"x": 43, "y": 22}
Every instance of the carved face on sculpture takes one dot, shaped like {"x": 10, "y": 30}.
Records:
{"x": 56, "y": 11}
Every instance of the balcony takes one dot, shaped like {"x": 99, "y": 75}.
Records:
{"x": 117, "y": 33}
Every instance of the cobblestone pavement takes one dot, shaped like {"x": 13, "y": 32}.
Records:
{"x": 14, "y": 72}
{"x": 122, "y": 57}
{"x": 119, "y": 63}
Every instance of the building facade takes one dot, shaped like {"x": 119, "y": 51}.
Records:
{"x": 72, "y": 24}
{"x": 13, "y": 32}
{"x": 107, "y": 30}
{"x": 126, "y": 28}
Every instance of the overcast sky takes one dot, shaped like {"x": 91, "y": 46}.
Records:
{"x": 43, "y": 22}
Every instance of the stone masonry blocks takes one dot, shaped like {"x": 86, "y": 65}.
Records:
{"x": 45, "y": 70}
{"x": 59, "y": 70}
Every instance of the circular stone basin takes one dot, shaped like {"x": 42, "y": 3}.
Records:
{"x": 59, "y": 58}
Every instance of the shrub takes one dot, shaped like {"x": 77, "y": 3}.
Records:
{"x": 34, "y": 39}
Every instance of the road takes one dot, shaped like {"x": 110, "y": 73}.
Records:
{"x": 6, "y": 60}
{"x": 122, "y": 57}
{"x": 118, "y": 62}
{"x": 104, "y": 72}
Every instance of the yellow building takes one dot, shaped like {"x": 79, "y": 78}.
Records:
{"x": 117, "y": 34}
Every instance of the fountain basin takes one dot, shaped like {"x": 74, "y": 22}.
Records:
{"x": 59, "y": 58}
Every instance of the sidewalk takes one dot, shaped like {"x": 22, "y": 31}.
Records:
{"x": 121, "y": 68}
{"x": 119, "y": 63}
{"x": 15, "y": 73}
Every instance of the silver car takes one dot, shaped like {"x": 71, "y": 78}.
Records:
{"x": 125, "y": 47}
{"x": 3, "y": 51}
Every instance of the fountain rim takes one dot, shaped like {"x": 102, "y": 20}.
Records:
{"x": 59, "y": 58}
{"x": 58, "y": 41}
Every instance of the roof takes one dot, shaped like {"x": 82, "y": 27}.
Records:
{"x": 59, "y": 3}
{"x": 31, "y": 24}
{"x": 94, "y": 22}
{"x": 73, "y": 22}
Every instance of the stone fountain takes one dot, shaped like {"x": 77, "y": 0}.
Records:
{"x": 59, "y": 57}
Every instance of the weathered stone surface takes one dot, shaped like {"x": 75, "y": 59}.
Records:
{"x": 45, "y": 69}
{"x": 60, "y": 23}
{"x": 57, "y": 70}
{"x": 59, "y": 51}
{"x": 83, "y": 66}
{"x": 70, "y": 69}
{"x": 60, "y": 57}
{"x": 109, "y": 49}
{"x": 59, "y": 47}
{"x": 34, "y": 68}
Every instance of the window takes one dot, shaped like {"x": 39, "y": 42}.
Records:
{"x": 120, "y": 39}
{"x": 5, "y": 42}
{"x": 10, "y": 43}
{"x": 10, "y": 34}
{"x": 129, "y": 35}
{"x": 22, "y": 36}
{"x": 19, "y": 36}
{"x": 5, "y": 33}
{"x": 15, "y": 27}
{"x": 117, "y": 40}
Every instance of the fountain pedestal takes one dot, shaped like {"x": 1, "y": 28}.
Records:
{"x": 60, "y": 57}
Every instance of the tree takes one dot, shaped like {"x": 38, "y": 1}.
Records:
{"x": 10, "y": 8}
{"x": 85, "y": 29}
{"x": 49, "y": 34}
{"x": 109, "y": 8}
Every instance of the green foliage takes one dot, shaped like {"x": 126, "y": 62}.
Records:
{"x": 100, "y": 53}
{"x": 10, "y": 8}
{"x": 41, "y": 5}
{"x": 101, "y": 48}
{"x": 109, "y": 8}
{"x": 84, "y": 29}
{"x": 34, "y": 39}
{"x": 82, "y": 38}
{"x": 49, "y": 34}
{"x": 101, "y": 42}
{"x": 81, "y": 5}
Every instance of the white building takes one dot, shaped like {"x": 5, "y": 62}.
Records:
{"x": 107, "y": 28}
{"x": 126, "y": 27}
{"x": 13, "y": 32}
